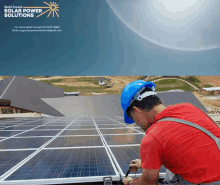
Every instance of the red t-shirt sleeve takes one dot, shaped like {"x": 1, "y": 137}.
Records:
{"x": 151, "y": 153}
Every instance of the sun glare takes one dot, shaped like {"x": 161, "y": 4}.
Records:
{"x": 177, "y": 5}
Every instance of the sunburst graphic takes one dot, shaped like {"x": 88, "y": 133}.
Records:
{"x": 52, "y": 7}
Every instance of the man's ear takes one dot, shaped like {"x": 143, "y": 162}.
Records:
{"x": 137, "y": 110}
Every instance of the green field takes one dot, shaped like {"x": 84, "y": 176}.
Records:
{"x": 82, "y": 90}
{"x": 169, "y": 84}
{"x": 81, "y": 79}
{"x": 52, "y": 81}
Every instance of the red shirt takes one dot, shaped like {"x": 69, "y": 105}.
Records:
{"x": 183, "y": 149}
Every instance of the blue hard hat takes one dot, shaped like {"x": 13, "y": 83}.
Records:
{"x": 131, "y": 92}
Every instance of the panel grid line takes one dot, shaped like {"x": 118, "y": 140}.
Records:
{"x": 105, "y": 146}
{"x": 123, "y": 134}
{"x": 107, "y": 150}
{"x": 59, "y": 148}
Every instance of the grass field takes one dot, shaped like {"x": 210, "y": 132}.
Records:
{"x": 80, "y": 79}
{"x": 168, "y": 84}
{"x": 83, "y": 90}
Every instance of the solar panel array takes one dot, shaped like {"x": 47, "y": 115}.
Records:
{"x": 58, "y": 150}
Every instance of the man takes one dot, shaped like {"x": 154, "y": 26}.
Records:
{"x": 184, "y": 150}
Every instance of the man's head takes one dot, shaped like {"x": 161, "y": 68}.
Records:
{"x": 139, "y": 102}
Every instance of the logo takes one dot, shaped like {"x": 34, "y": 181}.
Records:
{"x": 19, "y": 11}
{"x": 52, "y": 7}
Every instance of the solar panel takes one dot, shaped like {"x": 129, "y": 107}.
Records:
{"x": 8, "y": 125}
{"x": 125, "y": 154}
{"x": 17, "y": 122}
{"x": 8, "y": 133}
{"x": 39, "y": 122}
{"x": 133, "y": 125}
{"x": 80, "y": 127}
{"x": 80, "y": 132}
{"x": 82, "y": 162}
{"x": 62, "y": 150}
{"x": 123, "y": 139}
{"x": 106, "y": 123}
{"x": 40, "y": 133}
{"x": 118, "y": 131}
{"x": 32, "y": 123}
{"x": 57, "y": 124}
{"x": 75, "y": 141}
{"x": 83, "y": 124}
{"x": 8, "y": 159}
{"x": 21, "y": 143}
{"x": 50, "y": 127}
{"x": 19, "y": 128}
{"x": 140, "y": 129}
{"x": 110, "y": 126}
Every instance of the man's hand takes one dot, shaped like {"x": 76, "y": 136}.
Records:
{"x": 125, "y": 181}
{"x": 135, "y": 165}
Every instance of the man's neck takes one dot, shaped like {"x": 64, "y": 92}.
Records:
{"x": 153, "y": 113}
{"x": 159, "y": 108}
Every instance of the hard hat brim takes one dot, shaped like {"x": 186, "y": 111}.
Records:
{"x": 127, "y": 119}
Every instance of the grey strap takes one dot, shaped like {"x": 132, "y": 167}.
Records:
{"x": 217, "y": 140}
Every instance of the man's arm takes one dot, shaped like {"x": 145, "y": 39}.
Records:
{"x": 148, "y": 177}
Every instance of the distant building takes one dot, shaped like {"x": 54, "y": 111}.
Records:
{"x": 71, "y": 93}
{"x": 101, "y": 80}
{"x": 211, "y": 91}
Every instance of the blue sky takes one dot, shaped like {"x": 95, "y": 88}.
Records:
{"x": 95, "y": 41}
